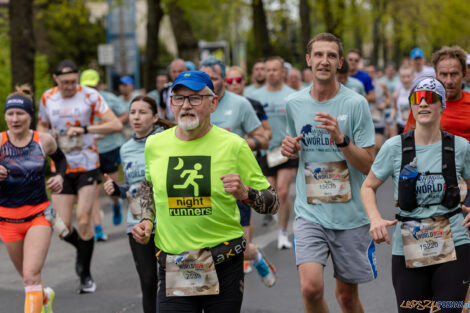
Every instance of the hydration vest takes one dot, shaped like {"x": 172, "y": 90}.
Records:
{"x": 407, "y": 193}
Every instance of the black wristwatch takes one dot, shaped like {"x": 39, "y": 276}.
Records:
{"x": 345, "y": 142}
{"x": 251, "y": 195}
{"x": 85, "y": 129}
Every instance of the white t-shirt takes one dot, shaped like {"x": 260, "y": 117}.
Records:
{"x": 79, "y": 110}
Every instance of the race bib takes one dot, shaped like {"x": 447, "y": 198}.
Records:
{"x": 327, "y": 182}
{"x": 405, "y": 113}
{"x": 191, "y": 273}
{"x": 127, "y": 131}
{"x": 134, "y": 195}
{"x": 463, "y": 189}
{"x": 376, "y": 115}
{"x": 427, "y": 242}
{"x": 68, "y": 144}
{"x": 275, "y": 157}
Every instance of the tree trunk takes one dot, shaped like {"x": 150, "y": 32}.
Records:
{"x": 22, "y": 45}
{"x": 328, "y": 16}
{"x": 304, "y": 12}
{"x": 396, "y": 42}
{"x": 186, "y": 42}
{"x": 340, "y": 18}
{"x": 155, "y": 14}
{"x": 260, "y": 29}
{"x": 356, "y": 27}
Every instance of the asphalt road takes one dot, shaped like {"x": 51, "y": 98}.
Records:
{"x": 119, "y": 290}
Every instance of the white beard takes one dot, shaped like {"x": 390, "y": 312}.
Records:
{"x": 187, "y": 123}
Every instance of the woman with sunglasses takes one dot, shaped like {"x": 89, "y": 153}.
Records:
{"x": 25, "y": 226}
{"x": 430, "y": 243}
{"x": 143, "y": 118}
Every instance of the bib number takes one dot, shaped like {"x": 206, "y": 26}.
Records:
{"x": 133, "y": 198}
{"x": 68, "y": 144}
{"x": 275, "y": 158}
{"x": 191, "y": 273}
{"x": 327, "y": 182}
{"x": 427, "y": 242}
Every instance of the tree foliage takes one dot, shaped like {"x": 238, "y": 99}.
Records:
{"x": 69, "y": 32}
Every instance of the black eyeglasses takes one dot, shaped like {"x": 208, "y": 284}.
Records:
{"x": 194, "y": 100}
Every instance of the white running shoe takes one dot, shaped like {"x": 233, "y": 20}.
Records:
{"x": 47, "y": 308}
{"x": 283, "y": 242}
{"x": 87, "y": 285}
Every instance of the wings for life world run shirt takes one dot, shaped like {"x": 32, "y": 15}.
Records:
{"x": 455, "y": 118}
{"x": 429, "y": 188}
{"x": 354, "y": 119}
{"x": 193, "y": 211}
{"x": 133, "y": 166}
{"x": 235, "y": 114}
{"x": 250, "y": 90}
{"x": 356, "y": 85}
{"x": 111, "y": 141}
{"x": 274, "y": 104}
{"x": 79, "y": 110}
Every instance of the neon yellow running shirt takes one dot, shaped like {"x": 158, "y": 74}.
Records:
{"x": 193, "y": 210}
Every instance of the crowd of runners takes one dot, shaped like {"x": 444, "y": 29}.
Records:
{"x": 204, "y": 149}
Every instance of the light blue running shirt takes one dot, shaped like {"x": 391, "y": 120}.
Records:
{"x": 356, "y": 85}
{"x": 354, "y": 119}
{"x": 274, "y": 104}
{"x": 235, "y": 114}
{"x": 111, "y": 141}
{"x": 429, "y": 188}
{"x": 133, "y": 166}
{"x": 250, "y": 90}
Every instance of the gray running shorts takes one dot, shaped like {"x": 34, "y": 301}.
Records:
{"x": 352, "y": 250}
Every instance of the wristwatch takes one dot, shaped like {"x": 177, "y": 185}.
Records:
{"x": 85, "y": 129}
{"x": 345, "y": 142}
{"x": 251, "y": 195}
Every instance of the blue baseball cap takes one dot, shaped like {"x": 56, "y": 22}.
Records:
{"x": 126, "y": 80}
{"x": 194, "y": 80}
{"x": 416, "y": 53}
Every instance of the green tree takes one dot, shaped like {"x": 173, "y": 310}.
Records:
{"x": 68, "y": 32}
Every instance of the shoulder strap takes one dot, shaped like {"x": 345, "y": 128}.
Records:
{"x": 408, "y": 150}
{"x": 448, "y": 159}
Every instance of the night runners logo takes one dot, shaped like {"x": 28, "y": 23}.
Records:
{"x": 189, "y": 186}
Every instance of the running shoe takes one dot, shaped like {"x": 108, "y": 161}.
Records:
{"x": 247, "y": 268}
{"x": 99, "y": 234}
{"x": 266, "y": 270}
{"x": 47, "y": 307}
{"x": 283, "y": 242}
{"x": 87, "y": 285}
{"x": 117, "y": 216}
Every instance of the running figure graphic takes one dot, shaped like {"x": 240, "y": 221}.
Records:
{"x": 192, "y": 175}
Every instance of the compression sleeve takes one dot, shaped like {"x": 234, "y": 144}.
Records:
{"x": 265, "y": 202}
{"x": 60, "y": 162}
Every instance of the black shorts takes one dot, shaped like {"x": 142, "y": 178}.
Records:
{"x": 245, "y": 213}
{"x": 229, "y": 300}
{"x": 109, "y": 161}
{"x": 446, "y": 282}
{"x": 74, "y": 181}
{"x": 380, "y": 130}
{"x": 272, "y": 171}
